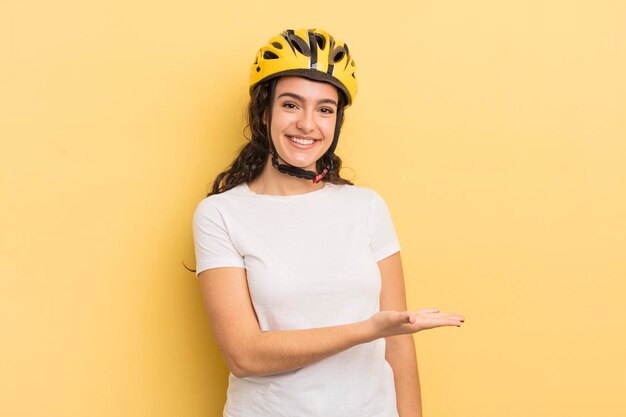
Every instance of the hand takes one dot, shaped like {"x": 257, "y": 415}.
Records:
{"x": 393, "y": 323}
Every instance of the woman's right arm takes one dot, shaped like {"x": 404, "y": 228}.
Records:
{"x": 248, "y": 351}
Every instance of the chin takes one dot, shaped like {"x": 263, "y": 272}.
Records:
{"x": 308, "y": 164}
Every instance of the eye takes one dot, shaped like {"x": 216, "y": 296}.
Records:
{"x": 327, "y": 110}
{"x": 289, "y": 105}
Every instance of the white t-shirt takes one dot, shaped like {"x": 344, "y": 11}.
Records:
{"x": 311, "y": 261}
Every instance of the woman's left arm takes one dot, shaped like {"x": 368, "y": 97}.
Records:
{"x": 400, "y": 350}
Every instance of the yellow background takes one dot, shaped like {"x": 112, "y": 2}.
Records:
{"x": 495, "y": 130}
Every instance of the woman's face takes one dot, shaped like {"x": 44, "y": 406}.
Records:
{"x": 303, "y": 121}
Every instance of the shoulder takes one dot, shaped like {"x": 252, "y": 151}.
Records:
{"x": 354, "y": 191}
{"x": 358, "y": 194}
{"x": 214, "y": 204}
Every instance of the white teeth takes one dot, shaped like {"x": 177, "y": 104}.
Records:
{"x": 301, "y": 141}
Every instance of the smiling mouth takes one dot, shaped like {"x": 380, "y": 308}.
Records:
{"x": 301, "y": 141}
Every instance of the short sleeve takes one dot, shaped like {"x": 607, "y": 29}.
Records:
{"x": 213, "y": 245}
{"x": 384, "y": 241}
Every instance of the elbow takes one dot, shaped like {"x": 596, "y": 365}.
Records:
{"x": 241, "y": 366}
{"x": 245, "y": 358}
{"x": 239, "y": 371}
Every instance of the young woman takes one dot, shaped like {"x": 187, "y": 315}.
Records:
{"x": 300, "y": 270}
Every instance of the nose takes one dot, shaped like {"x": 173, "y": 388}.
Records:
{"x": 306, "y": 121}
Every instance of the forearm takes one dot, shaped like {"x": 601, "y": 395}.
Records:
{"x": 275, "y": 352}
{"x": 400, "y": 353}
{"x": 248, "y": 351}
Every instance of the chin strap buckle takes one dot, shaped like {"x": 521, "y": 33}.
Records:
{"x": 318, "y": 177}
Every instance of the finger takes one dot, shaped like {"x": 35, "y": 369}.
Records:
{"x": 456, "y": 317}
{"x": 451, "y": 316}
{"x": 427, "y": 310}
{"x": 456, "y": 322}
{"x": 442, "y": 323}
{"x": 404, "y": 317}
{"x": 408, "y": 317}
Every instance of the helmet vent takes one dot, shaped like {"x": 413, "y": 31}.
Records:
{"x": 277, "y": 45}
{"x": 338, "y": 55}
{"x": 300, "y": 45}
{"x": 321, "y": 42}
{"x": 270, "y": 55}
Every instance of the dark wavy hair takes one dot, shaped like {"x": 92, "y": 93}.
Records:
{"x": 252, "y": 157}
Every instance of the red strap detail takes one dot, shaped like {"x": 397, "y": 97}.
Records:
{"x": 318, "y": 177}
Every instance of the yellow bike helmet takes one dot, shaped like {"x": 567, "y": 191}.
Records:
{"x": 310, "y": 53}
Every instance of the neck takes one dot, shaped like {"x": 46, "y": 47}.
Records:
{"x": 273, "y": 182}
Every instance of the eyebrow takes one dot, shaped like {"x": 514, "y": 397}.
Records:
{"x": 300, "y": 98}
